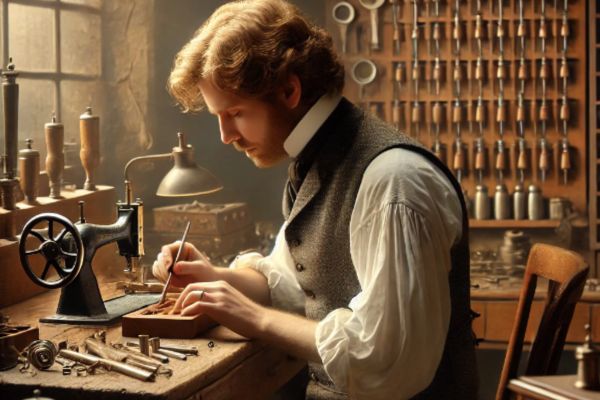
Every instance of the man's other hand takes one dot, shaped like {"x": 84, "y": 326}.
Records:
{"x": 193, "y": 266}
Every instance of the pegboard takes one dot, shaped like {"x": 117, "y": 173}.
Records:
{"x": 405, "y": 96}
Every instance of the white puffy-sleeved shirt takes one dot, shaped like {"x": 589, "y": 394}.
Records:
{"x": 389, "y": 341}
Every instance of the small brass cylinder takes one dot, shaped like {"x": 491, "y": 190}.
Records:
{"x": 55, "y": 158}
{"x": 29, "y": 172}
{"x": 89, "y": 131}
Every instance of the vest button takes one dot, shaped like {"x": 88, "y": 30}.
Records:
{"x": 310, "y": 293}
{"x": 294, "y": 242}
{"x": 299, "y": 267}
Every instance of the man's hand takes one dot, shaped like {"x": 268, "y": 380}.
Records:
{"x": 223, "y": 303}
{"x": 192, "y": 266}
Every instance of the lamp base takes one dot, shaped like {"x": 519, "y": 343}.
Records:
{"x": 115, "y": 309}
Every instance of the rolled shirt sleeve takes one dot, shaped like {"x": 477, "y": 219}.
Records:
{"x": 277, "y": 267}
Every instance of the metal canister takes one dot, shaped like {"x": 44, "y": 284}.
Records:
{"x": 482, "y": 203}
{"x": 29, "y": 172}
{"x": 587, "y": 357}
{"x": 535, "y": 203}
{"x": 501, "y": 202}
{"x": 519, "y": 202}
{"x": 559, "y": 208}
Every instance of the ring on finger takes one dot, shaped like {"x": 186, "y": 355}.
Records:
{"x": 201, "y": 295}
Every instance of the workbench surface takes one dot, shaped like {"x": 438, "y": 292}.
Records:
{"x": 234, "y": 368}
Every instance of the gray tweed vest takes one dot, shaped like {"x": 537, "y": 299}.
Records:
{"x": 318, "y": 238}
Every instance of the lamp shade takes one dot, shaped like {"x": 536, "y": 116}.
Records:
{"x": 186, "y": 178}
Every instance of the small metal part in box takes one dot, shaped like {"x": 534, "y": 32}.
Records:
{"x": 206, "y": 219}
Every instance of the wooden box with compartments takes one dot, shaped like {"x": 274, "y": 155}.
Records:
{"x": 206, "y": 219}
{"x": 157, "y": 321}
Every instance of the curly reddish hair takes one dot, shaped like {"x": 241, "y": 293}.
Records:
{"x": 249, "y": 48}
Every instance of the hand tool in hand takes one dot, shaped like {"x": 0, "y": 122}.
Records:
{"x": 163, "y": 295}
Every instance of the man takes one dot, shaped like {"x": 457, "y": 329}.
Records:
{"x": 372, "y": 260}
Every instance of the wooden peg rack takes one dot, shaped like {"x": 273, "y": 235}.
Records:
{"x": 385, "y": 96}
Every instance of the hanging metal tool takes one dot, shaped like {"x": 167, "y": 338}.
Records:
{"x": 522, "y": 161}
{"x": 437, "y": 36}
{"x": 544, "y": 111}
{"x": 564, "y": 114}
{"x": 343, "y": 14}
{"x": 396, "y": 26}
{"x": 436, "y": 116}
{"x": 399, "y": 79}
{"x": 459, "y": 163}
{"x": 500, "y": 146}
{"x": 373, "y": 7}
{"x": 416, "y": 73}
{"x": 544, "y": 160}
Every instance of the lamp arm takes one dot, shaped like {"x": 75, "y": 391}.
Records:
{"x": 128, "y": 191}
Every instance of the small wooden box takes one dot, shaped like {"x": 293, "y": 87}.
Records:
{"x": 164, "y": 325}
{"x": 206, "y": 219}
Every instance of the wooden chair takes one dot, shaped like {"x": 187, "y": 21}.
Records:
{"x": 566, "y": 272}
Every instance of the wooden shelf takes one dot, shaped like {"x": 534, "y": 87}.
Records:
{"x": 523, "y": 224}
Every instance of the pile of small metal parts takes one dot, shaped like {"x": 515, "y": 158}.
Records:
{"x": 143, "y": 360}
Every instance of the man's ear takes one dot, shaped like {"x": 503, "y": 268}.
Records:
{"x": 291, "y": 91}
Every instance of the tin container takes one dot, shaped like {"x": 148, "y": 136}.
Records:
{"x": 560, "y": 208}
{"x": 481, "y": 203}
{"x": 519, "y": 202}
{"x": 535, "y": 203}
{"x": 501, "y": 203}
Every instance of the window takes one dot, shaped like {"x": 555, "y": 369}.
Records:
{"x": 56, "y": 46}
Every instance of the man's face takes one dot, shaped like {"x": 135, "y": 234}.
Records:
{"x": 252, "y": 126}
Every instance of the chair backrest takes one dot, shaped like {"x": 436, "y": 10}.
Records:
{"x": 566, "y": 272}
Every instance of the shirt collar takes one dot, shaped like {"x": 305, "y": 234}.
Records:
{"x": 310, "y": 124}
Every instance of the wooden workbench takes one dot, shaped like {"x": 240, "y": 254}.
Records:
{"x": 234, "y": 368}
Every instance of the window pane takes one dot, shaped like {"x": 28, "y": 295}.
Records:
{"x": 90, "y": 3}
{"x": 76, "y": 96}
{"x": 36, "y": 103}
{"x": 31, "y": 49}
{"x": 80, "y": 42}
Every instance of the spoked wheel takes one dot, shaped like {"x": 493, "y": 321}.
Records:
{"x": 60, "y": 245}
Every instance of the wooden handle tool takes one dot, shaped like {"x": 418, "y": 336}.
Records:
{"x": 565, "y": 160}
{"x": 163, "y": 295}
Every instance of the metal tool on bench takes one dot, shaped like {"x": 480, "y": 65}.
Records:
{"x": 55, "y": 253}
